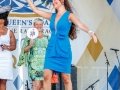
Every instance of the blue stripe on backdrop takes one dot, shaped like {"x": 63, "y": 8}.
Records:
{"x": 109, "y": 1}
{"x": 18, "y": 82}
{"x": 113, "y": 78}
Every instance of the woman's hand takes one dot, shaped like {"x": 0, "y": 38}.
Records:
{"x": 5, "y": 47}
{"x": 31, "y": 42}
{"x": 93, "y": 36}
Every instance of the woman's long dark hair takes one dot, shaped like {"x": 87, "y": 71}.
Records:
{"x": 72, "y": 33}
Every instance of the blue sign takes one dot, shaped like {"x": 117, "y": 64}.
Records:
{"x": 19, "y": 6}
{"x": 5, "y": 2}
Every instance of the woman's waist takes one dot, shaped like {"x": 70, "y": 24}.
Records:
{"x": 34, "y": 57}
{"x": 40, "y": 51}
{"x": 37, "y": 48}
{"x": 59, "y": 40}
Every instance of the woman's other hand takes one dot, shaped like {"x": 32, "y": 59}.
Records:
{"x": 4, "y": 47}
{"x": 31, "y": 42}
{"x": 93, "y": 36}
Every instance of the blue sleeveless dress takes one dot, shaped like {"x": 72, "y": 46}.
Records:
{"x": 58, "y": 53}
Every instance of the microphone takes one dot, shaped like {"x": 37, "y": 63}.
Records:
{"x": 1, "y": 45}
{"x": 106, "y": 59}
{"x": 95, "y": 82}
{"x": 114, "y": 49}
{"x": 105, "y": 54}
{"x": 92, "y": 84}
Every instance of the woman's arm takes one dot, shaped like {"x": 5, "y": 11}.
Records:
{"x": 12, "y": 41}
{"x": 76, "y": 21}
{"x": 12, "y": 45}
{"x": 43, "y": 14}
{"x": 26, "y": 49}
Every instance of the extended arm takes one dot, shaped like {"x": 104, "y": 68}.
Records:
{"x": 82, "y": 26}
{"x": 43, "y": 14}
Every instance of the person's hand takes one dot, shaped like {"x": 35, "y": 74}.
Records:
{"x": 93, "y": 36}
{"x": 31, "y": 42}
{"x": 4, "y": 47}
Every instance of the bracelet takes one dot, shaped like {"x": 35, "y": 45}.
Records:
{"x": 8, "y": 47}
{"x": 90, "y": 32}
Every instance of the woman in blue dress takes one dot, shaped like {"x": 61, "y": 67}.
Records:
{"x": 58, "y": 53}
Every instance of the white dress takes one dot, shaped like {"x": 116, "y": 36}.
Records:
{"x": 6, "y": 69}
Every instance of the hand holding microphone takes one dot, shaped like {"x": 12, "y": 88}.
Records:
{"x": 4, "y": 46}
